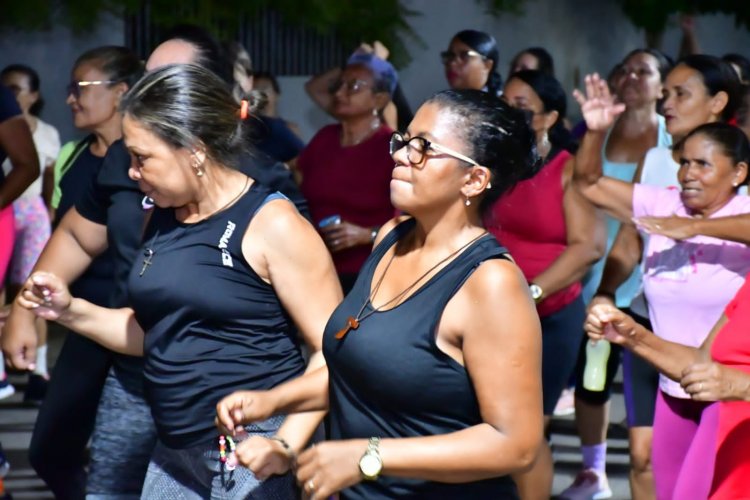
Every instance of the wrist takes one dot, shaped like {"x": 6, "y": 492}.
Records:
{"x": 291, "y": 453}
{"x": 606, "y": 294}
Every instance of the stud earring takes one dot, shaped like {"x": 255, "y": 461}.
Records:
{"x": 489, "y": 185}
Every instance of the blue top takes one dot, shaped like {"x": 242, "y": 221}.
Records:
{"x": 272, "y": 136}
{"x": 389, "y": 379}
{"x": 624, "y": 172}
{"x": 8, "y": 109}
{"x": 213, "y": 326}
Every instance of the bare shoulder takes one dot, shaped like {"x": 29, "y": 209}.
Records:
{"x": 388, "y": 227}
{"x": 278, "y": 221}
{"x": 495, "y": 278}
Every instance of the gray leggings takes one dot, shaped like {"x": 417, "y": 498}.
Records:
{"x": 123, "y": 440}
{"x": 197, "y": 473}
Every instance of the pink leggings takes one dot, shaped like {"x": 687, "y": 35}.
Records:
{"x": 684, "y": 447}
{"x": 7, "y": 238}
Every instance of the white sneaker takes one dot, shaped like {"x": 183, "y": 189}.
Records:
{"x": 6, "y": 389}
{"x": 588, "y": 485}
{"x": 566, "y": 404}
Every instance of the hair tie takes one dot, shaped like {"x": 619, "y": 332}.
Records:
{"x": 244, "y": 109}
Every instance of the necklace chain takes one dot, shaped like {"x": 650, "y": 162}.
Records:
{"x": 151, "y": 251}
{"x": 352, "y": 322}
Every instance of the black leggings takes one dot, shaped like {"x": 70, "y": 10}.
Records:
{"x": 66, "y": 417}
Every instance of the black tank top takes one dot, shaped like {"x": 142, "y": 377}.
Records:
{"x": 213, "y": 326}
{"x": 389, "y": 379}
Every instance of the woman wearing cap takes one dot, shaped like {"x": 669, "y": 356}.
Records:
{"x": 346, "y": 168}
{"x": 471, "y": 62}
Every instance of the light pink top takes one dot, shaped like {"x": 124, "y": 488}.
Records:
{"x": 688, "y": 283}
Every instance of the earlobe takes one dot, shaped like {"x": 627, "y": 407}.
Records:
{"x": 719, "y": 102}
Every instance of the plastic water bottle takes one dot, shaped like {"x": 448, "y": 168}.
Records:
{"x": 595, "y": 373}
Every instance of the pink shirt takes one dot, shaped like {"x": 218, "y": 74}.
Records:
{"x": 688, "y": 283}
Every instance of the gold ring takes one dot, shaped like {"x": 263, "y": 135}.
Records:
{"x": 310, "y": 486}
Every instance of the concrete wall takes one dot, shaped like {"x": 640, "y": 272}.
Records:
{"x": 52, "y": 55}
{"x": 582, "y": 35}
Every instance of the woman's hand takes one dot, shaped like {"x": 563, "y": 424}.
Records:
{"x": 329, "y": 467}
{"x": 598, "y": 106}
{"x": 46, "y": 295}
{"x": 264, "y": 456}
{"x": 241, "y": 408}
{"x": 677, "y": 228}
{"x": 345, "y": 235}
{"x": 711, "y": 381}
{"x": 606, "y": 322}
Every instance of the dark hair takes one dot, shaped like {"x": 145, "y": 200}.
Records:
{"x": 718, "y": 76}
{"x": 33, "y": 79}
{"x": 186, "y": 105}
{"x": 120, "y": 64}
{"x": 743, "y": 111}
{"x": 733, "y": 141}
{"x": 485, "y": 44}
{"x": 498, "y": 135}
{"x": 544, "y": 59}
{"x": 741, "y": 62}
{"x": 553, "y": 98}
{"x": 266, "y": 75}
{"x": 663, "y": 62}
{"x": 209, "y": 52}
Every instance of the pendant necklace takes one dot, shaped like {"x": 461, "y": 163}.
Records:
{"x": 352, "y": 322}
{"x": 151, "y": 251}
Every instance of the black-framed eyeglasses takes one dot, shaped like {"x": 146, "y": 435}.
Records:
{"x": 350, "y": 86}
{"x": 75, "y": 87}
{"x": 417, "y": 147}
{"x": 461, "y": 56}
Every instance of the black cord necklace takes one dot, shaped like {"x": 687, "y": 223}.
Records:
{"x": 352, "y": 322}
{"x": 150, "y": 250}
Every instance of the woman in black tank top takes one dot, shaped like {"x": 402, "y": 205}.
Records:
{"x": 228, "y": 269}
{"x": 433, "y": 381}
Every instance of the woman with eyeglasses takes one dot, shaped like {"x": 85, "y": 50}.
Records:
{"x": 346, "y": 169}
{"x": 555, "y": 236}
{"x": 100, "y": 78}
{"x": 471, "y": 62}
{"x": 433, "y": 368}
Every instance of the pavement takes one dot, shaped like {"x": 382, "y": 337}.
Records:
{"x": 17, "y": 421}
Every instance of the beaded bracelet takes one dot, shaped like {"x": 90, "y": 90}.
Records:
{"x": 230, "y": 465}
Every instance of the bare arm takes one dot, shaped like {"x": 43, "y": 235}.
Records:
{"x": 319, "y": 88}
{"x": 587, "y": 239}
{"x": 48, "y": 297}
{"x": 68, "y": 253}
{"x": 622, "y": 258}
{"x": 732, "y": 228}
{"x": 599, "y": 110}
{"x": 294, "y": 259}
{"x": 16, "y": 141}
{"x": 669, "y": 358}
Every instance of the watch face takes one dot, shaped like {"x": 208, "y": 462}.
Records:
{"x": 370, "y": 465}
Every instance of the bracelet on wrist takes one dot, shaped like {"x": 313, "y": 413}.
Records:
{"x": 291, "y": 454}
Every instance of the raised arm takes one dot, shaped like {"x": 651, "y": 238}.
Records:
{"x": 600, "y": 110}
{"x": 586, "y": 236}
{"x": 70, "y": 250}
{"x": 503, "y": 359}
{"x": 16, "y": 141}
{"x": 319, "y": 88}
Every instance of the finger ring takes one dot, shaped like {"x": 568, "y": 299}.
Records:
{"x": 700, "y": 387}
{"x": 310, "y": 486}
